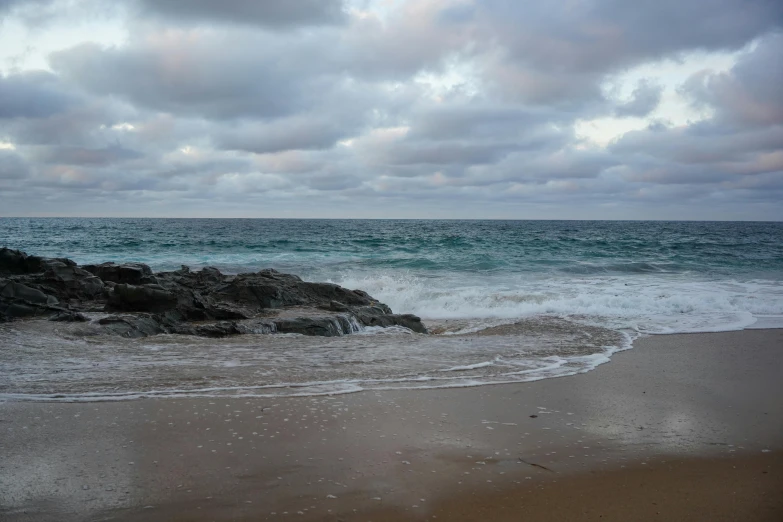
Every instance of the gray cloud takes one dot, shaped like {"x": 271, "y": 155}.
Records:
{"x": 446, "y": 153}
{"x": 700, "y": 143}
{"x": 9, "y": 5}
{"x": 214, "y": 75}
{"x": 479, "y": 121}
{"x": 559, "y": 54}
{"x": 296, "y": 133}
{"x": 263, "y": 13}
{"x": 607, "y": 34}
{"x": 743, "y": 139}
{"x": 32, "y": 94}
{"x": 644, "y": 99}
{"x": 12, "y": 166}
{"x": 463, "y": 107}
{"x": 748, "y": 94}
{"x": 85, "y": 156}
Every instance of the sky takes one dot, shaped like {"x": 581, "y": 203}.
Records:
{"x": 496, "y": 109}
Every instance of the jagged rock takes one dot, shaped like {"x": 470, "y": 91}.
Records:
{"x": 128, "y": 273}
{"x": 17, "y": 262}
{"x": 272, "y": 289}
{"x": 329, "y": 292}
{"x": 327, "y": 326}
{"x": 140, "y": 325}
{"x": 19, "y": 300}
{"x": 147, "y": 298}
{"x": 57, "y": 277}
{"x": 71, "y": 281}
{"x": 258, "y": 291}
{"x": 13, "y": 261}
{"x": 18, "y": 291}
{"x": 409, "y": 321}
{"x": 204, "y": 302}
{"x": 12, "y": 310}
{"x": 222, "y": 329}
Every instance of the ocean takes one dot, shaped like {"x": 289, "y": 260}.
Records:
{"x": 506, "y": 301}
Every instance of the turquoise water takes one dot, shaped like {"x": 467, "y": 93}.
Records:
{"x": 577, "y": 247}
{"x": 509, "y": 301}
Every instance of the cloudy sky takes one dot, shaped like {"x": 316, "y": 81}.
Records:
{"x": 570, "y": 109}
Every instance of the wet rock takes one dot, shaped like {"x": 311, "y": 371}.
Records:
{"x": 71, "y": 281}
{"x": 13, "y": 261}
{"x": 328, "y": 292}
{"x": 409, "y": 321}
{"x": 326, "y": 326}
{"x": 271, "y": 289}
{"x": 67, "y": 316}
{"x": 147, "y": 298}
{"x": 127, "y": 273}
{"x": 18, "y": 262}
{"x": 18, "y": 300}
{"x": 258, "y": 291}
{"x": 203, "y": 302}
{"x": 222, "y": 329}
{"x": 14, "y": 310}
{"x": 134, "y": 326}
{"x": 20, "y": 292}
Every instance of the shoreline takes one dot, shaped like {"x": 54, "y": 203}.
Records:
{"x": 672, "y": 398}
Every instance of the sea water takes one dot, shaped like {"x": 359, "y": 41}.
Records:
{"x": 506, "y": 301}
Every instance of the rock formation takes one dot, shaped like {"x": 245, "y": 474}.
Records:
{"x": 137, "y": 302}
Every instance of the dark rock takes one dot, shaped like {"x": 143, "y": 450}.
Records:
{"x": 222, "y": 329}
{"x": 327, "y": 326}
{"x": 256, "y": 292}
{"x": 257, "y": 327}
{"x": 12, "y": 310}
{"x": 225, "y": 311}
{"x": 19, "y": 300}
{"x": 365, "y": 314}
{"x": 71, "y": 281}
{"x": 328, "y": 292}
{"x": 13, "y": 261}
{"x": 411, "y": 322}
{"x": 128, "y": 273}
{"x": 147, "y": 298}
{"x": 17, "y": 262}
{"x": 204, "y": 302}
{"x": 68, "y": 316}
{"x": 139, "y": 325}
{"x": 335, "y": 306}
{"x": 18, "y": 291}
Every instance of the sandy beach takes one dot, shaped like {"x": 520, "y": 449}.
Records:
{"x": 682, "y": 427}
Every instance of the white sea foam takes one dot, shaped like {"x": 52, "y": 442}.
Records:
{"x": 488, "y": 330}
{"x": 468, "y": 367}
{"x": 556, "y": 367}
{"x": 652, "y": 304}
{"x": 115, "y": 369}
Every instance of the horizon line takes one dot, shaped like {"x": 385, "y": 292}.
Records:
{"x": 405, "y": 219}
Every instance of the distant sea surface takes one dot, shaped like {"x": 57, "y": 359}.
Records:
{"x": 510, "y": 300}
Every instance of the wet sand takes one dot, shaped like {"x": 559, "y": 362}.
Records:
{"x": 682, "y": 427}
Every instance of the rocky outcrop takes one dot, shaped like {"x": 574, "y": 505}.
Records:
{"x": 19, "y": 300}
{"x": 204, "y": 302}
{"x": 128, "y": 273}
{"x": 143, "y": 298}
